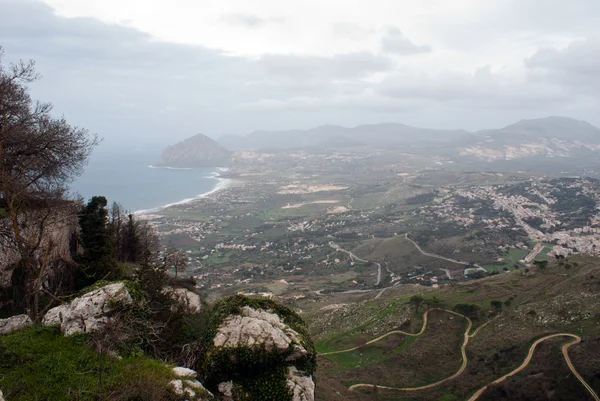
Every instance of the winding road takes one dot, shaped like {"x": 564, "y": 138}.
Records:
{"x": 565, "y": 352}
{"x": 463, "y": 350}
{"x": 354, "y": 257}
{"x": 433, "y": 255}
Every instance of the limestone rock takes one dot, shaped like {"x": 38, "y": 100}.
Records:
{"x": 90, "y": 312}
{"x": 14, "y": 323}
{"x": 192, "y": 389}
{"x": 177, "y": 386}
{"x": 226, "y": 390}
{"x": 260, "y": 350}
{"x": 257, "y": 328}
{"x": 302, "y": 386}
{"x": 185, "y": 372}
{"x": 189, "y": 301}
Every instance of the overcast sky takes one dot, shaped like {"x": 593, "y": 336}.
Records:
{"x": 162, "y": 70}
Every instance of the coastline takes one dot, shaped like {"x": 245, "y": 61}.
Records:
{"x": 222, "y": 183}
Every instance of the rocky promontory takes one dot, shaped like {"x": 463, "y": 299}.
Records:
{"x": 197, "y": 151}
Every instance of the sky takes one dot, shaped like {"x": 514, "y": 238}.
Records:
{"x": 157, "y": 71}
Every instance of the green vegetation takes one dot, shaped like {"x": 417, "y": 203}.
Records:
{"x": 39, "y": 363}
{"x": 259, "y": 373}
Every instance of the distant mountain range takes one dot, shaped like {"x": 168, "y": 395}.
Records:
{"x": 548, "y": 137}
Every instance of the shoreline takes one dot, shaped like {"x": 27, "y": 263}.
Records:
{"x": 222, "y": 183}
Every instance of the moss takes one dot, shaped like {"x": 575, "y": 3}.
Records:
{"x": 260, "y": 373}
{"x": 39, "y": 363}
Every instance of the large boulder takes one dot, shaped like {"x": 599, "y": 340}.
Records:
{"x": 257, "y": 348}
{"x": 90, "y": 312}
{"x": 187, "y": 301}
{"x": 14, "y": 323}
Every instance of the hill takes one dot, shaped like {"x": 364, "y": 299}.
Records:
{"x": 558, "y": 137}
{"x": 197, "y": 151}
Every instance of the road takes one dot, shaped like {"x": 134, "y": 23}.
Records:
{"x": 354, "y": 257}
{"x": 433, "y": 255}
{"x": 463, "y": 351}
{"x": 565, "y": 352}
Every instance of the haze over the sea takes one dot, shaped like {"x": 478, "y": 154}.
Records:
{"x": 126, "y": 176}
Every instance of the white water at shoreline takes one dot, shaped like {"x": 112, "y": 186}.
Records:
{"x": 222, "y": 183}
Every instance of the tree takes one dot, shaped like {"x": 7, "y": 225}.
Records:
{"x": 416, "y": 300}
{"x": 497, "y": 305}
{"x": 175, "y": 259}
{"x": 98, "y": 257}
{"x": 39, "y": 156}
{"x": 131, "y": 241}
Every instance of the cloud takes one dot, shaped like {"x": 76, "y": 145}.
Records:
{"x": 348, "y": 66}
{"x": 349, "y": 30}
{"x": 395, "y": 42}
{"x": 576, "y": 66}
{"x": 247, "y": 20}
{"x": 480, "y": 89}
{"x": 125, "y": 84}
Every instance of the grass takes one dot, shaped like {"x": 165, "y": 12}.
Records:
{"x": 348, "y": 339}
{"x": 39, "y": 363}
{"x": 371, "y": 354}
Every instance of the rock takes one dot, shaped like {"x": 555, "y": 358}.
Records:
{"x": 90, "y": 312}
{"x": 260, "y": 350}
{"x": 177, "y": 386}
{"x": 259, "y": 329}
{"x": 193, "y": 389}
{"x": 185, "y": 372}
{"x": 226, "y": 390}
{"x": 14, "y": 323}
{"x": 302, "y": 386}
{"x": 1, "y": 396}
{"x": 189, "y": 301}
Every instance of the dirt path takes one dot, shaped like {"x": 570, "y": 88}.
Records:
{"x": 356, "y": 258}
{"x": 463, "y": 351}
{"x": 565, "y": 352}
{"x": 425, "y": 317}
{"x": 433, "y": 255}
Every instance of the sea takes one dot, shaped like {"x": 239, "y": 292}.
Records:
{"x": 130, "y": 178}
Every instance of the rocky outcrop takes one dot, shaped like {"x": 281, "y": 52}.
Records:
{"x": 90, "y": 312}
{"x": 14, "y": 323}
{"x": 186, "y": 301}
{"x": 259, "y": 349}
{"x": 186, "y": 385}
{"x": 259, "y": 329}
{"x": 302, "y": 386}
{"x": 197, "y": 151}
{"x": 60, "y": 227}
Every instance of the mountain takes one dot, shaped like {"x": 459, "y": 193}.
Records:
{"x": 547, "y": 137}
{"x": 197, "y": 151}
{"x": 332, "y": 137}
{"x": 544, "y": 137}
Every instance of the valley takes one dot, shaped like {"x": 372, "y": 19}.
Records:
{"x": 422, "y": 278}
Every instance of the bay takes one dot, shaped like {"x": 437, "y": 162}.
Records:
{"x": 127, "y": 177}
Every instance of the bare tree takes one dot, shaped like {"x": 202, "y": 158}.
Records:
{"x": 175, "y": 259}
{"x": 39, "y": 157}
